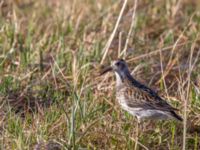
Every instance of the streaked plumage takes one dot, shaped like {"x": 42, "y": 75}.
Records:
{"x": 138, "y": 99}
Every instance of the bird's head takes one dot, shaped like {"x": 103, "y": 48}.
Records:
{"x": 118, "y": 66}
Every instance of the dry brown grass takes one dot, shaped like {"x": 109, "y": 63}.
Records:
{"x": 50, "y": 55}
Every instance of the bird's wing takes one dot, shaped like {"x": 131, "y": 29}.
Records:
{"x": 145, "y": 97}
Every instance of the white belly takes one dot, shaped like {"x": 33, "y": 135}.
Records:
{"x": 142, "y": 113}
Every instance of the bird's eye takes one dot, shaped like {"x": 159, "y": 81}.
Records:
{"x": 117, "y": 64}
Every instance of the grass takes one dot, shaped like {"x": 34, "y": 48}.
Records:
{"x": 50, "y": 55}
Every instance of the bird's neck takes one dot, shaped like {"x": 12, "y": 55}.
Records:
{"x": 126, "y": 76}
{"x": 119, "y": 80}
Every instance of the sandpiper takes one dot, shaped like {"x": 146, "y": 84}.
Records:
{"x": 138, "y": 99}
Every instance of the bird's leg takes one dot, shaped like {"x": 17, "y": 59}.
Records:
{"x": 137, "y": 133}
{"x": 141, "y": 125}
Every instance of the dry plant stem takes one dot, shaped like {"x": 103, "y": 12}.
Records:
{"x": 170, "y": 64}
{"x": 46, "y": 74}
{"x": 48, "y": 94}
{"x": 174, "y": 12}
{"x": 156, "y": 52}
{"x": 16, "y": 21}
{"x": 133, "y": 22}
{"x": 110, "y": 9}
{"x": 162, "y": 70}
{"x": 64, "y": 77}
{"x": 114, "y": 31}
{"x": 191, "y": 66}
{"x": 172, "y": 61}
{"x": 54, "y": 77}
{"x": 89, "y": 127}
{"x": 136, "y": 135}
{"x": 120, "y": 44}
{"x": 75, "y": 70}
{"x": 61, "y": 72}
{"x": 144, "y": 147}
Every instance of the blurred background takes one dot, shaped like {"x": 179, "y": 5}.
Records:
{"x": 51, "y": 94}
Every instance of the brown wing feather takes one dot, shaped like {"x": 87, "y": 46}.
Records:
{"x": 145, "y": 98}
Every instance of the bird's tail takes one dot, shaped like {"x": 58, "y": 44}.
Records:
{"x": 176, "y": 116}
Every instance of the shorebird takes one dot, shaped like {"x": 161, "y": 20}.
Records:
{"x": 138, "y": 99}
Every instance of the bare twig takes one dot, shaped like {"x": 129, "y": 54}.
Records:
{"x": 156, "y": 52}
{"x": 114, "y": 31}
{"x": 133, "y": 22}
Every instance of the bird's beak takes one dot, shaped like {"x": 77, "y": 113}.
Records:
{"x": 106, "y": 69}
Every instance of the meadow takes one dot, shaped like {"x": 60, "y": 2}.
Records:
{"x": 51, "y": 53}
